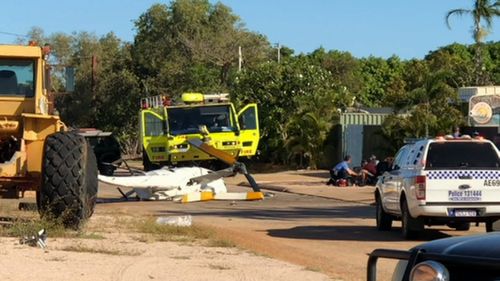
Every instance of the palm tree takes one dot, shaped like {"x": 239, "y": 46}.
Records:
{"x": 484, "y": 11}
{"x": 308, "y": 129}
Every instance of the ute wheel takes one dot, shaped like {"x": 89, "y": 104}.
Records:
{"x": 69, "y": 179}
{"x": 489, "y": 226}
{"x": 384, "y": 220}
{"x": 411, "y": 227}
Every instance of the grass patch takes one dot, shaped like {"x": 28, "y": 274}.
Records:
{"x": 181, "y": 258}
{"x": 92, "y": 235}
{"x": 218, "y": 267}
{"x": 20, "y": 227}
{"x": 154, "y": 232}
{"x": 314, "y": 269}
{"x": 57, "y": 259}
{"x": 85, "y": 249}
{"x": 172, "y": 233}
{"x": 28, "y": 227}
{"x": 220, "y": 243}
{"x": 143, "y": 239}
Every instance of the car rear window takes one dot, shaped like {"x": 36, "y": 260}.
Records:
{"x": 462, "y": 155}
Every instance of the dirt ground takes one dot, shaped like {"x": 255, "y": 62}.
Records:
{"x": 318, "y": 233}
{"x": 109, "y": 251}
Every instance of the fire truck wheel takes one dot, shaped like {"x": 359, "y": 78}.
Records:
{"x": 68, "y": 191}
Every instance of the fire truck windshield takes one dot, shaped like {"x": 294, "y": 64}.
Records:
{"x": 187, "y": 120}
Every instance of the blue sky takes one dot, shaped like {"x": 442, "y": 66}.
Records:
{"x": 407, "y": 28}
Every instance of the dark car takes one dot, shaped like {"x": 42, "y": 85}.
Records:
{"x": 465, "y": 258}
{"x": 106, "y": 148}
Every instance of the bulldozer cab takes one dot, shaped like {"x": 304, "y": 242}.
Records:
{"x": 21, "y": 81}
{"x": 36, "y": 150}
{"x": 24, "y": 110}
{"x": 166, "y": 127}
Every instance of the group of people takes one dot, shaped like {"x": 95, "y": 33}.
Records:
{"x": 367, "y": 173}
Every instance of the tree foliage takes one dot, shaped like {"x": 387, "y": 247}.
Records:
{"x": 483, "y": 13}
{"x": 295, "y": 97}
{"x": 193, "y": 45}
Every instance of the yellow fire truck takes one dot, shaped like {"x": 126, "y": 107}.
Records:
{"x": 166, "y": 127}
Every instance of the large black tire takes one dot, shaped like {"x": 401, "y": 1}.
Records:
{"x": 384, "y": 220}
{"x": 410, "y": 226}
{"x": 69, "y": 179}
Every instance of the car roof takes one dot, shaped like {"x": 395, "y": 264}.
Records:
{"x": 449, "y": 139}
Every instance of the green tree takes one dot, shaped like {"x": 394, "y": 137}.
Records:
{"x": 192, "y": 45}
{"x": 308, "y": 128}
{"x": 294, "y": 97}
{"x": 432, "y": 109}
{"x": 381, "y": 78}
{"x": 78, "y": 108}
{"x": 483, "y": 13}
{"x": 455, "y": 59}
{"x": 493, "y": 49}
{"x": 345, "y": 68}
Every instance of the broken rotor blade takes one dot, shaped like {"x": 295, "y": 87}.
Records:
{"x": 242, "y": 168}
{"x": 212, "y": 151}
{"x": 210, "y": 177}
{"x": 252, "y": 182}
{"x": 226, "y": 158}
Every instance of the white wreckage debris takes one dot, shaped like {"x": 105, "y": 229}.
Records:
{"x": 186, "y": 184}
{"x": 38, "y": 239}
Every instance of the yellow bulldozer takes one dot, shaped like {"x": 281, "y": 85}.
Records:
{"x": 37, "y": 151}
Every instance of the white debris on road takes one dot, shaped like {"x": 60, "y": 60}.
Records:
{"x": 167, "y": 183}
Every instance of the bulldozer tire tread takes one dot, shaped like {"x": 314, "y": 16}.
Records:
{"x": 69, "y": 179}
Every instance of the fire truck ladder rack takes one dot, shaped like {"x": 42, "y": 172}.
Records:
{"x": 161, "y": 100}
{"x": 153, "y": 102}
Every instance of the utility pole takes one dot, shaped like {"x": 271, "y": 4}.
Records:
{"x": 94, "y": 73}
{"x": 279, "y": 52}
{"x": 240, "y": 58}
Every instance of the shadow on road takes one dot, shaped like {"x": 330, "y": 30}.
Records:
{"x": 344, "y": 212}
{"x": 349, "y": 233}
{"x": 318, "y": 174}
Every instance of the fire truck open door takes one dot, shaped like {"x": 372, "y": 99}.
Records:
{"x": 248, "y": 121}
{"x": 154, "y": 132}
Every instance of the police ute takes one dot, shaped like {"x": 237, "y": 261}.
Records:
{"x": 441, "y": 181}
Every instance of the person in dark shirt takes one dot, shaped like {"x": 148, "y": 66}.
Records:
{"x": 384, "y": 166}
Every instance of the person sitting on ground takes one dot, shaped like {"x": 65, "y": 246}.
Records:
{"x": 384, "y": 166}
{"x": 370, "y": 171}
{"x": 342, "y": 171}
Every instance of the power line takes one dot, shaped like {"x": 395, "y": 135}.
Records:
{"x": 14, "y": 34}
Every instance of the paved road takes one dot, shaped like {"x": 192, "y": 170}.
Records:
{"x": 331, "y": 230}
